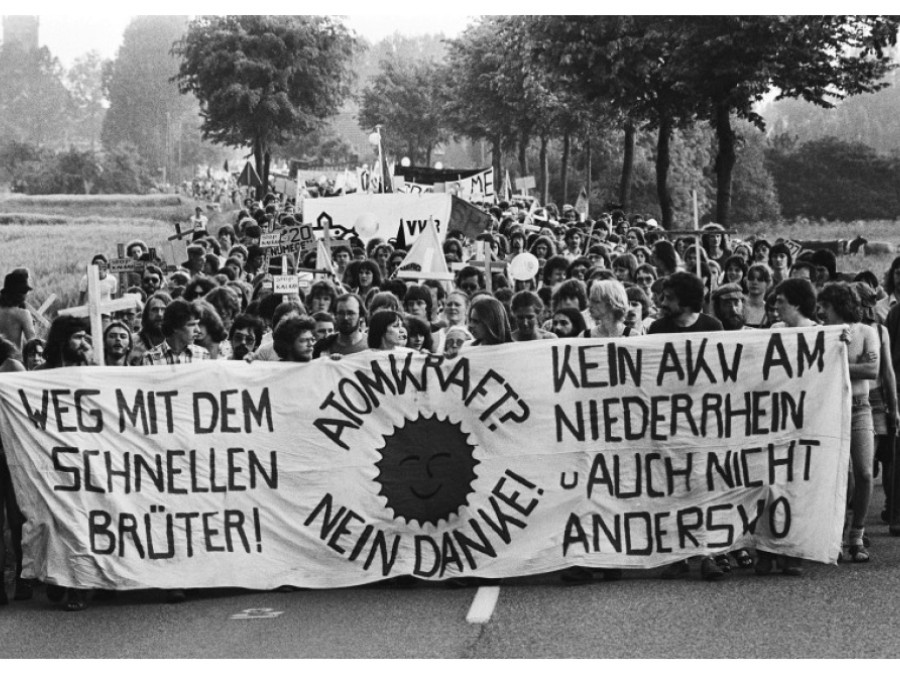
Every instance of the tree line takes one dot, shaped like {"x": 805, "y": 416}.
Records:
{"x": 643, "y": 110}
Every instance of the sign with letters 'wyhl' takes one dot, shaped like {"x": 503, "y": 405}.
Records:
{"x": 505, "y": 461}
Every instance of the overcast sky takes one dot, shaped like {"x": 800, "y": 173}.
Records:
{"x": 70, "y": 36}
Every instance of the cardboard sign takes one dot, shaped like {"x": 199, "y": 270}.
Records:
{"x": 526, "y": 183}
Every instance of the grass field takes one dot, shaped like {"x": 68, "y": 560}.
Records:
{"x": 56, "y": 236}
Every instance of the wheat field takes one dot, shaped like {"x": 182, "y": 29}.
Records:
{"x": 56, "y": 236}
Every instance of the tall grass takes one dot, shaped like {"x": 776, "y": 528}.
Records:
{"x": 56, "y": 236}
{"x": 873, "y": 230}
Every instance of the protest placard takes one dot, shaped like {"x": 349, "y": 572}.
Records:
{"x": 628, "y": 453}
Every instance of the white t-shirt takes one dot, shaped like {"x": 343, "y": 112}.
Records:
{"x": 108, "y": 286}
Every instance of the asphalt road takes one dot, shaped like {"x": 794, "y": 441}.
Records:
{"x": 845, "y": 611}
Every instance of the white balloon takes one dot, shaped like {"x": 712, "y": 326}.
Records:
{"x": 374, "y": 138}
{"x": 405, "y": 162}
{"x": 366, "y": 225}
{"x": 524, "y": 267}
{"x": 439, "y": 166}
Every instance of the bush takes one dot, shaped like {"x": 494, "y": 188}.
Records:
{"x": 835, "y": 180}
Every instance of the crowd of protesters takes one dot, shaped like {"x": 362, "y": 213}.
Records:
{"x": 616, "y": 276}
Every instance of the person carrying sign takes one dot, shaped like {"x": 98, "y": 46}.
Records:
{"x": 680, "y": 312}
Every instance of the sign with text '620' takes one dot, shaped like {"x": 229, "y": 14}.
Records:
{"x": 293, "y": 239}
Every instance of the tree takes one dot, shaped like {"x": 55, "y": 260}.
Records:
{"x": 145, "y": 107}
{"x": 630, "y": 63}
{"x": 407, "y": 98}
{"x": 262, "y": 79}
{"x": 733, "y": 61}
{"x": 84, "y": 81}
{"x": 478, "y": 103}
{"x": 835, "y": 180}
{"x": 34, "y": 104}
{"x": 754, "y": 197}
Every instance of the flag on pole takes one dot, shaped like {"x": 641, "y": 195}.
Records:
{"x": 581, "y": 204}
{"x": 387, "y": 179}
{"x": 507, "y": 188}
{"x": 425, "y": 259}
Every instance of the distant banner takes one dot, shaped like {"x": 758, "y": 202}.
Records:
{"x": 380, "y": 215}
{"x": 628, "y": 453}
{"x": 479, "y": 187}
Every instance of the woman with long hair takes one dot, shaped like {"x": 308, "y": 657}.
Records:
{"x": 608, "y": 305}
{"x": 361, "y": 276}
{"x": 837, "y": 305}
{"x": 759, "y": 280}
{"x": 387, "y": 331}
{"x": 488, "y": 322}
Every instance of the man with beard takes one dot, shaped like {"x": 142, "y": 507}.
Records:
{"x": 245, "y": 336}
{"x": 152, "y": 279}
{"x": 680, "y": 310}
{"x": 151, "y": 334}
{"x": 350, "y": 337}
{"x": 68, "y": 345}
{"x": 728, "y": 306}
{"x": 680, "y": 306}
{"x": 294, "y": 338}
{"x": 117, "y": 343}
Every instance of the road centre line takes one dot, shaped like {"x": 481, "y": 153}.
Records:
{"x": 483, "y": 604}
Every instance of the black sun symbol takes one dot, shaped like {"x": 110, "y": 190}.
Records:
{"x": 426, "y": 470}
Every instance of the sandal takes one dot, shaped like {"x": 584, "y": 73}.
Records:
{"x": 743, "y": 559}
{"x": 76, "y": 600}
{"x": 858, "y": 554}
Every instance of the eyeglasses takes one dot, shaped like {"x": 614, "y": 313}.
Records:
{"x": 243, "y": 339}
{"x": 346, "y": 314}
{"x": 468, "y": 287}
{"x": 306, "y": 340}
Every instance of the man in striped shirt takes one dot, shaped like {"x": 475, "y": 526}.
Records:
{"x": 180, "y": 327}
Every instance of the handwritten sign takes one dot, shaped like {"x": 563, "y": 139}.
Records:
{"x": 627, "y": 453}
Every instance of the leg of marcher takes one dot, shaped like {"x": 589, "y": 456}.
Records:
{"x": 862, "y": 450}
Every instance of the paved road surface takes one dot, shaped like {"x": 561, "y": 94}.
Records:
{"x": 842, "y": 611}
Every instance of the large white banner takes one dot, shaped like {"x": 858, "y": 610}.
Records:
{"x": 380, "y": 215}
{"x": 505, "y": 461}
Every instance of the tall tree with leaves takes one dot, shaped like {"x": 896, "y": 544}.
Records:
{"x": 261, "y": 79}
{"x": 407, "y": 98}
{"x": 145, "y": 107}
{"x": 34, "y": 104}
{"x": 84, "y": 81}
{"x": 731, "y": 62}
{"x": 631, "y": 64}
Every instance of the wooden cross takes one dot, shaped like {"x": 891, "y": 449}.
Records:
{"x": 484, "y": 260}
{"x": 179, "y": 234}
{"x": 95, "y": 309}
{"x": 38, "y": 314}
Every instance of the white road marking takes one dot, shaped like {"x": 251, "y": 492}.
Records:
{"x": 256, "y": 614}
{"x": 483, "y": 605}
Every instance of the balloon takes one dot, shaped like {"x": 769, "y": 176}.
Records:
{"x": 374, "y": 138}
{"x": 405, "y": 162}
{"x": 439, "y": 166}
{"x": 366, "y": 225}
{"x": 524, "y": 267}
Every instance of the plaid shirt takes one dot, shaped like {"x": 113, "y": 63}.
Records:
{"x": 163, "y": 355}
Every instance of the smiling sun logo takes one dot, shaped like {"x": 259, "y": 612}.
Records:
{"x": 426, "y": 470}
